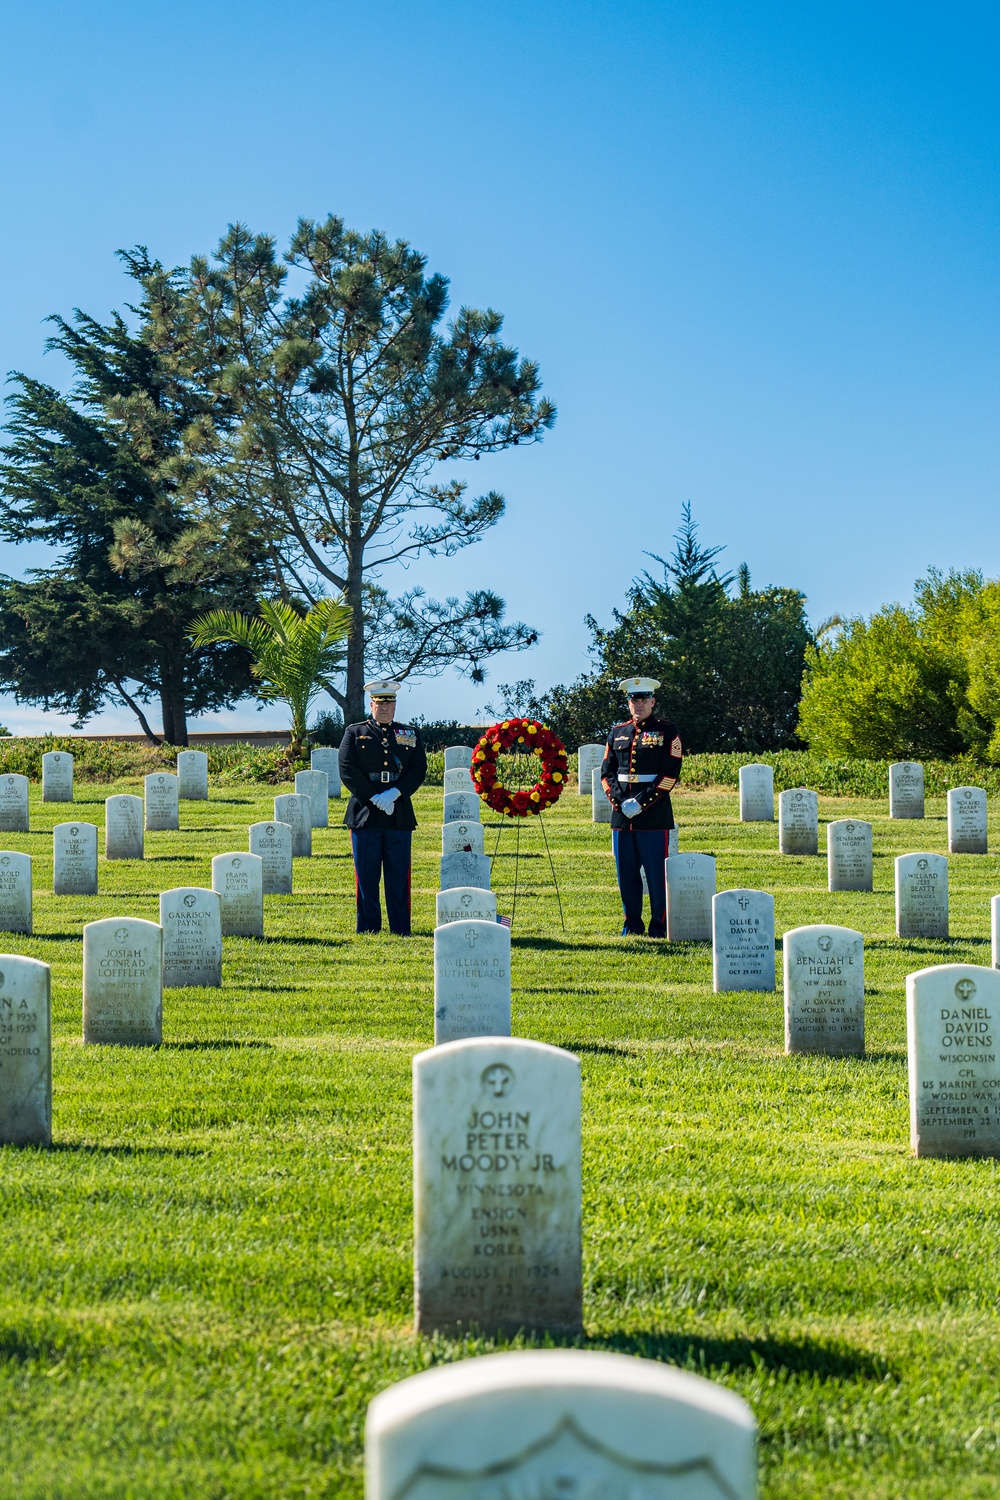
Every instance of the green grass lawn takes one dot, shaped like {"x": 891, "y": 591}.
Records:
{"x": 209, "y": 1275}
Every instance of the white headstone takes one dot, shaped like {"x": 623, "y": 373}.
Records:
{"x": 465, "y": 903}
{"x": 192, "y": 776}
{"x": 327, "y": 758}
{"x": 314, "y": 785}
{"x": 461, "y": 807}
{"x": 906, "y": 790}
{"x": 825, "y": 991}
{"x": 161, "y": 802}
{"x": 465, "y": 869}
{"x": 14, "y": 804}
{"x": 123, "y": 820}
{"x": 471, "y": 980}
{"x": 74, "y": 859}
{"x": 123, "y": 981}
{"x": 296, "y": 811}
{"x": 690, "y": 888}
{"x": 273, "y": 842}
{"x": 579, "y": 1423}
{"x": 456, "y": 756}
{"x": 922, "y": 896}
{"x": 756, "y": 794}
{"x": 966, "y": 820}
{"x": 15, "y": 891}
{"x": 57, "y": 776}
{"x": 953, "y": 1045}
{"x": 673, "y": 841}
{"x": 849, "y": 855}
{"x": 25, "y": 1051}
{"x": 458, "y": 836}
{"x": 743, "y": 940}
{"x": 192, "y": 937}
{"x": 497, "y": 1186}
{"x": 589, "y": 758}
{"x": 600, "y": 806}
{"x": 995, "y": 930}
{"x": 459, "y": 779}
{"x": 798, "y": 822}
{"x": 238, "y": 879}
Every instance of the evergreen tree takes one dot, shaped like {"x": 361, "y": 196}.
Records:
{"x": 730, "y": 668}
{"x": 117, "y": 476}
{"x": 350, "y": 394}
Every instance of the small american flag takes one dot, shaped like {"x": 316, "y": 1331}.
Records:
{"x": 504, "y": 921}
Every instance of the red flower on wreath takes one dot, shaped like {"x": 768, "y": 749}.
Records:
{"x": 507, "y": 736}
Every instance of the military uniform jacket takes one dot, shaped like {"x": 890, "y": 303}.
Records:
{"x": 642, "y": 761}
{"x": 373, "y": 758}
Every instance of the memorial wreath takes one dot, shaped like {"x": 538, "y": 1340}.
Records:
{"x": 508, "y": 738}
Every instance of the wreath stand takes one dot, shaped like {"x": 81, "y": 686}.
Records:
{"x": 527, "y": 795}
{"x": 506, "y": 822}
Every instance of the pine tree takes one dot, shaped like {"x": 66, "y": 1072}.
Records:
{"x": 117, "y": 477}
{"x": 349, "y": 396}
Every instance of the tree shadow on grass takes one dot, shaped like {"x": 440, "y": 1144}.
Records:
{"x": 84, "y": 1148}
{"x": 824, "y": 1360}
{"x": 600, "y": 1049}
{"x": 216, "y": 1044}
{"x": 175, "y": 859}
{"x": 933, "y": 946}
{"x": 559, "y": 945}
{"x": 303, "y": 942}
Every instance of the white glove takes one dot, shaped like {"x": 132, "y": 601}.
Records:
{"x": 385, "y": 801}
{"x": 632, "y": 807}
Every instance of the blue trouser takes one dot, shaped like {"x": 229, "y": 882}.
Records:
{"x": 634, "y": 852}
{"x": 377, "y": 851}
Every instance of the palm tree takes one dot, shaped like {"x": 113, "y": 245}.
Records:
{"x": 294, "y": 655}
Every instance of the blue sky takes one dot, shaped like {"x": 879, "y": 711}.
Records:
{"x": 752, "y": 246}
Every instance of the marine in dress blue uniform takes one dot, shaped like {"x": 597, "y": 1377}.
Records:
{"x": 642, "y": 765}
{"x": 382, "y": 764}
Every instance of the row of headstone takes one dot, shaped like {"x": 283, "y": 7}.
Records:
{"x": 191, "y": 779}
{"x": 559, "y": 1422}
{"x": 457, "y": 756}
{"x": 465, "y": 903}
{"x": 589, "y": 758}
{"x": 315, "y": 787}
{"x": 599, "y": 804}
{"x": 472, "y": 993}
{"x": 272, "y": 842}
{"x": 191, "y": 918}
{"x": 921, "y": 896}
{"x": 295, "y": 809}
{"x": 497, "y": 1185}
{"x": 327, "y": 758}
{"x": 463, "y": 868}
{"x": 461, "y": 807}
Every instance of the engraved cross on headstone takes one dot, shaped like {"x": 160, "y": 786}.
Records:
{"x": 472, "y": 937}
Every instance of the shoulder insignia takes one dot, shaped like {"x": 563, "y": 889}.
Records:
{"x": 675, "y": 747}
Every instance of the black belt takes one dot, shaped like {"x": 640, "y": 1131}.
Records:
{"x": 385, "y": 777}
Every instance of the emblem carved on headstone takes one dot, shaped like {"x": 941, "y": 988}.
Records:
{"x": 965, "y": 989}
{"x": 498, "y": 1079}
{"x": 824, "y": 944}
